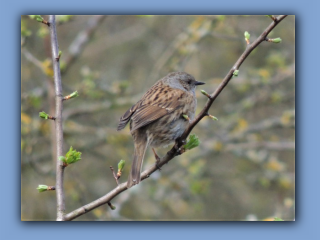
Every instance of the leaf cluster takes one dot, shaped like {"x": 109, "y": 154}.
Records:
{"x": 72, "y": 156}
{"x": 192, "y": 142}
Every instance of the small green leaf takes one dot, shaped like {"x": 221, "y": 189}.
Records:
{"x": 213, "y": 117}
{"x": 36, "y": 17}
{"x": 192, "y": 142}
{"x": 247, "y": 35}
{"x": 186, "y": 117}
{"x": 235, "y": 73}
{"x": 39, "y": 19}
{"x": 121, "y": 165}
{"x": 59, "y": 53}
{"x": 72, "y": 95}
{"x": 276, "y": 40}
{"x": 42, "y": 188}
{"x": 205, "y": 93}
{"x": 277, "y": 219}
{"x": 43, "y": 115}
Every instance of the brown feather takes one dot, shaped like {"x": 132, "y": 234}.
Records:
{"x": 140, "y": 145}
{"x": 146, "y": 115}
{"x": 149, "y": 111}
{"x": 159, "y": 101}
{"x": 126, "y": 117}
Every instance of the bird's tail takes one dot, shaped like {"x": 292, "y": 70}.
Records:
{"x": 140, "y": 145}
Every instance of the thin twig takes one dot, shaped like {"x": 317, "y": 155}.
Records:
{"x": 176, "y": 148}
{"x": 58, "y": 121}
{"x": 114, "y": 175}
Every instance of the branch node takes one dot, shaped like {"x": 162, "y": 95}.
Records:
{"x": 59, "y": 55}
{"x": 85, "y": 209}
{"x": 46, "y": 23}
{"x": 111, "y": 206}
{"x": 157, "y": 166}
{"x": 273, "y": 40}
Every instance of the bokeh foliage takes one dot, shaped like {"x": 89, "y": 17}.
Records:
{"x": 244, "y": 168}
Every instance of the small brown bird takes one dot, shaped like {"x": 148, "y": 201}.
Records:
{"x": 157, "y": 119}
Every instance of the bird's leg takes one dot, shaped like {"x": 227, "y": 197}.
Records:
{"x": 157, "y": 158}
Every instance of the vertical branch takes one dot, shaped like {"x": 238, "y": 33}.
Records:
{"x": 58, "y": 121}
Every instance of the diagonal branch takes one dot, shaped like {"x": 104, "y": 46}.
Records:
{"x": 226, "y": 80}
{"x": 176, "y": 148}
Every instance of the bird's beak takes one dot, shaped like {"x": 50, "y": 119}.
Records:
{"x": 199, "y": 83}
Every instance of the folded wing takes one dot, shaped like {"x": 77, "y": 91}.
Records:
{"x": 155, "y": 104}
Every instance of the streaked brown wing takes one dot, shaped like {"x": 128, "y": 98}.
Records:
{"x": 162, "y": 102}
{"x": 157, "y": 102}
{"x": 147, "y": 114}
{"x": 126, "y": 117}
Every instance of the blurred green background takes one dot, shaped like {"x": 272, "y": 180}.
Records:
{"x": 244, "y": 168}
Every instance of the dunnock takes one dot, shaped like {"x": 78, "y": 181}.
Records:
{"x": 157, "y": 119}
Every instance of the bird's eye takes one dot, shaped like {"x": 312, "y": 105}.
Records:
{"x": 189, "y": 81}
